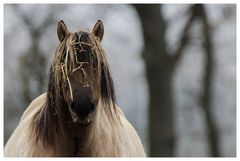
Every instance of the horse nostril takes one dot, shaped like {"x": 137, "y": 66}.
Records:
{"x": 91, "y": 108}
{"x": 83, "y": 109}
{"x": 72, "y": 104}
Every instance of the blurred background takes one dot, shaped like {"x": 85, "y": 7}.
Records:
{"x": 174, "y": 69}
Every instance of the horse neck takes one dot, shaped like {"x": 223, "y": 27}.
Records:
{"x": 88, "y": 140}
{"x": 71, "y": 136}
{"x": 105, "y": 132}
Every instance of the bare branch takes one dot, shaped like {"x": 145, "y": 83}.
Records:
{"x": 29, "y": 24}
{"x": 23, "y": 17}
{"x": 185, "y": 37}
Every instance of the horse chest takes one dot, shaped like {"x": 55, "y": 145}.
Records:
{"x": 79, "y": 148}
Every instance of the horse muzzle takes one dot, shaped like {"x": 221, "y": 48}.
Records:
{"x": 82, "y": 109}
{"x": 83, "y": 120}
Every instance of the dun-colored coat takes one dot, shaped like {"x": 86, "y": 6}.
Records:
{"x": 78, "y": 115}
{"x": 105, "y": 138}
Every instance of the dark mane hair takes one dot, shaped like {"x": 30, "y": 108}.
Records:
{"x": 47, "y": 122}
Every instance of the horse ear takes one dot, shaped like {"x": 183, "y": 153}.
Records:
{"x": 62, "y": 30}
{"x": 98, "y": 29}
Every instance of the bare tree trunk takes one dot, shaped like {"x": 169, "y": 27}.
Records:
{"x": 159, "y": 71}
{"x": 213, "y": 136}
{"x": 32, "y": 64}
{"x": 160, "y": 66}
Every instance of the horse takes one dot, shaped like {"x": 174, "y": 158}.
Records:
{"x": 78, "y": 114}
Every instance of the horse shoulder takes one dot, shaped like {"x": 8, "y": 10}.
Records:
{"x": 34, "y": 106}
{"x": 133, "y": 145}
{"x": 20, "y": 142}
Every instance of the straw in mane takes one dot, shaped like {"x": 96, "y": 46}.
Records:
{"x": 78, "y": 115}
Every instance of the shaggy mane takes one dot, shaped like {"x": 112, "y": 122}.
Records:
{"x": 47, "y": 122}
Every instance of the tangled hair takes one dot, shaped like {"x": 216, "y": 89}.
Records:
{"x": 78, "y": 51}
{"x": 86, "y": 47}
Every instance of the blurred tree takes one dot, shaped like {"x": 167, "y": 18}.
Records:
{"x": 206, "y": 98}
{"x": 160, "y": 67}
{"x": 32, "y": 64}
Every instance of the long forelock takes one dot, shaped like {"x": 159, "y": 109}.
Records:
{"x": 62, "y": 63}
{"x": 85, "y": 42}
